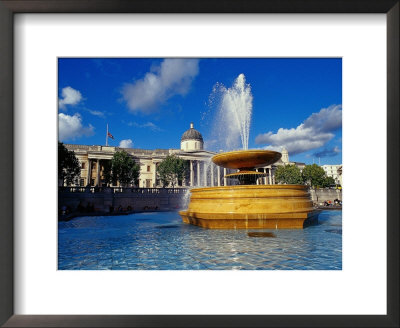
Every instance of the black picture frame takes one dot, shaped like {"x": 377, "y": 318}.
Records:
{"x": 10, "y": 7}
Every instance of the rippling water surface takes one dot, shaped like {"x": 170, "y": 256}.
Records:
{"x": 160, "y": 241}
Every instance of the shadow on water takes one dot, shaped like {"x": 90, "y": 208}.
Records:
{"x": 261, "y": 234}
{"x": 168, "y": 226}
{"x": 338, "y": 231}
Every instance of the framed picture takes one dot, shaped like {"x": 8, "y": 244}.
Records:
{"x": 36, "y": 292}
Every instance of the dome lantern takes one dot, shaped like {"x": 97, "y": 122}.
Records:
{"x": 285, "y": 155}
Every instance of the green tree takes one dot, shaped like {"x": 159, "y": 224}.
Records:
{"x": 124, "y": 169}
{"x": 107, "y": 175}
{"x": 329, "y": 181}
{"x": 288, "y": 174}
{"x": 314, "y": 175}
{"x": 172, "y": 170}
{"x": 69, "y": 169}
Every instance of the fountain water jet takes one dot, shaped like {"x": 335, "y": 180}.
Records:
{"x": 234, "y": 110}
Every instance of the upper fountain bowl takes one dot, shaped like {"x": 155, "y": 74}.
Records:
{"x": 246, "y": 159}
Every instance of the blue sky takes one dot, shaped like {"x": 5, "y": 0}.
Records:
{"x": 149, "y": 103}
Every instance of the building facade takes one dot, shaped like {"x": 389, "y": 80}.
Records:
{"x": 334, "y": 171}
{"x": 203, "y": 172}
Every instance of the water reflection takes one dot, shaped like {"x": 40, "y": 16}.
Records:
{"x": 160, "y": 241}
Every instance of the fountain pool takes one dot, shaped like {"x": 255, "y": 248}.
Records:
{"x": 160, "y": 241}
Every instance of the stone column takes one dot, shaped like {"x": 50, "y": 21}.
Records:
{"x": 269, "y": 176}
{"x": 257, "y": 182}
{"x": 198, "y": 173}
{"x": 89, "y": 172}
{"x": 155, "y": 175}
{"x": 219, "y": 176}
{"x": 98, "y": 173}
{"x": 224, "y": 176}
{"x": 212, "y": 174}
{"x": 205, "y": 173}
{"x": 191, "y": 174}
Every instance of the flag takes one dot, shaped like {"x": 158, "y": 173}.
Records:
{"x": 110, "y": 135}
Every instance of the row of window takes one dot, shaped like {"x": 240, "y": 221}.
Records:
{"x": 83, "y": 166}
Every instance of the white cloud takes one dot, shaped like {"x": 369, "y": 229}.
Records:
{"x": 327, "y": 119}
{"x": 96, "y": 113}
{"x": 313, "y": 133}
{"x": 149, "y": 125}
{"x": 172, "y": 77}
{"x": 127, "y": 143}
{"x": 69, "y": 96}
{"x": 71, "y": 128}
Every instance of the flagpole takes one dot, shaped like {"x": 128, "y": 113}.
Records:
{"x": 107, "y": 136}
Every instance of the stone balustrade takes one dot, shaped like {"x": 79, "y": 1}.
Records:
{"x": 115, "y": 190}
{"x": 120, "y": 199}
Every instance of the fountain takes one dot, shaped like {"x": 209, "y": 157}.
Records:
{"x": 248, "y": 205}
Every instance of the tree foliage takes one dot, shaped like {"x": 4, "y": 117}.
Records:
{"x": 172, "y": 170}
{"x": 314, "y": 176}
{"x": 329, "y": 181}
{"x": 288, "y": 174}
{"x": 124, "y": 169}
{"x": 69, "y": 169}
{"x": 107, "y": 173}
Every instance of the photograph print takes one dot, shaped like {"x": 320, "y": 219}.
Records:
{"x": 200, "y": 164}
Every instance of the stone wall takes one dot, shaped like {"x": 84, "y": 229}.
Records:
{"x": 107, "y": 199}
{"x": 322, "y": 195}
{"x": 141, "y": 199}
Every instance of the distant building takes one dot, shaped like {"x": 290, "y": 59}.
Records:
{"x": 285, "y": 160}
{"x": 202, "y": 171}
{"x": 334, "y": 171}
{"x": 93, "y": 158}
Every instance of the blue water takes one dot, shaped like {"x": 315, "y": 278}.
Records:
{"x": 160, "y": 241}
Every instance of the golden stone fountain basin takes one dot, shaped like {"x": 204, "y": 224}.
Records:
{"x": 245, "y": 159}
{"x": 250, "y": 207}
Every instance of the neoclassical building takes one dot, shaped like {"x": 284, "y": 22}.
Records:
{"x": 202, "y": 171}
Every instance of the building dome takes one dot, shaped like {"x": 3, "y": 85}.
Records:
{"x": 192, "y": 134}
{"x": 192, "y": 139}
